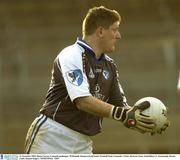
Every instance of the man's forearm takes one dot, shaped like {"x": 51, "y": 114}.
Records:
{"x": 94, "y": 106}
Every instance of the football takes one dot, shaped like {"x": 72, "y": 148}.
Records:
{"x": 156, "y": 110}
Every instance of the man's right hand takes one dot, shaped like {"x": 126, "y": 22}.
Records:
{"x": 133, "y": 118}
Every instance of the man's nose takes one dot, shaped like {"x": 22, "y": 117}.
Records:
{"x": 118, "y": 36}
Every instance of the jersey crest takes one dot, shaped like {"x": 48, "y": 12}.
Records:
{"x": 75, "y": 77}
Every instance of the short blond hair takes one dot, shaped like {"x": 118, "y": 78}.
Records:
{"x": 99, "y": 16}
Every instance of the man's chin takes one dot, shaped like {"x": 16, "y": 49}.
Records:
{"x": 111, "y": 50}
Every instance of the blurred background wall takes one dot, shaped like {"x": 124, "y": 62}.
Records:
{"x": 33, "y": 32}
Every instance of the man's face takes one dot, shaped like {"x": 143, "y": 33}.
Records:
{"x": 110, "y": 37}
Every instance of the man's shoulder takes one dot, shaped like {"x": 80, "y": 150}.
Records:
{"x": 71, "y": 51}
{"x": 70, "y": 55}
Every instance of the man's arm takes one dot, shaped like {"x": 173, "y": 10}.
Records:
{"x": 94, "y": 106}
{"x": 129, "y": 116}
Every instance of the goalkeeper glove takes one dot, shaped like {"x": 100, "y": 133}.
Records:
{"x": 132, "y": 118}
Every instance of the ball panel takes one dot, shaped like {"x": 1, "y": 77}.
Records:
{"x": 156, "y": 110}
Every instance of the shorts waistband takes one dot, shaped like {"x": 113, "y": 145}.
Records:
{"x": 65, "y": 129}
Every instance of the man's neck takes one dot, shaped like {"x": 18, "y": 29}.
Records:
{"x": 93, "y": 43}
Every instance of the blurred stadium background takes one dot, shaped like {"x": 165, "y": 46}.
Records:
{"x": 148, "y": 56}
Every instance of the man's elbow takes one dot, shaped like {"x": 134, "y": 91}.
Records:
{"x": 80, "y": 102}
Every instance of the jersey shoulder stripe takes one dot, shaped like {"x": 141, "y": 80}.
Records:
{"x": 108, "y": 58}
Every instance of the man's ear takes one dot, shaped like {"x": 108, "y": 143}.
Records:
{"x": 100, "y": 32}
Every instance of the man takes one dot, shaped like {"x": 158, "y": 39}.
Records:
{"x": 85, "y": 88}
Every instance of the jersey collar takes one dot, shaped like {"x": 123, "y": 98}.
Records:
{"x": 83, "y": 44}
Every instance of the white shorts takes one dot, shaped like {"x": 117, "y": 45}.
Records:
{"x": 46, "y": 136}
